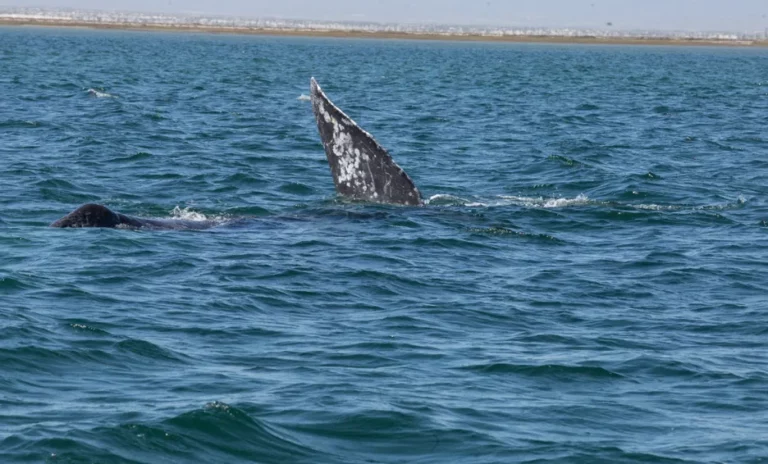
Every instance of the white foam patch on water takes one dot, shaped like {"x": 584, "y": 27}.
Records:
{"x": 99, "y": 94}
{"x": 506, "y": 200}
{"x": 189, "y": 215}
{"x": 542, "y": 202}
{"x": 443, "y": 199}
{"x": 654, "y": 207}
{"x": 303, "y": 97}
{"x": 579, "y": 200}
{"x": 741, "y": 201}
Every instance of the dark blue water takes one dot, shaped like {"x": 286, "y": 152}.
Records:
{"x": 588, "y": 282}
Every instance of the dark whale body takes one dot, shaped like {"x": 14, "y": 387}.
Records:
{"x": 361, "y": 168}
{"x": 93, "y": 215}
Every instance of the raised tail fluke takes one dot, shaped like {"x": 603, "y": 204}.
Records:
{"x": 361, "y": 168}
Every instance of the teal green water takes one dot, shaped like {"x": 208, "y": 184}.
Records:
{"x": 586, "y": 284}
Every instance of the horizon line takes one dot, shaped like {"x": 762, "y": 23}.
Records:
{"x": 199, "y": 19}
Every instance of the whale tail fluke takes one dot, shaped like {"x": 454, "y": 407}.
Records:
{"x": 361, "y": 168}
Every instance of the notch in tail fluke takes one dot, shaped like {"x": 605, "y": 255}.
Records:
{"x": 361, "y": 168}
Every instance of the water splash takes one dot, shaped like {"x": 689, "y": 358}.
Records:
{"x": 188, "y": 215}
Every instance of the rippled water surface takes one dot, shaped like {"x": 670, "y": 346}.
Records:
{"x": 587, "y": 283}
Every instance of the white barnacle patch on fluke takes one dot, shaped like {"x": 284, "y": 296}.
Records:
{"x": 321, "y": 108}
{"x": 349, "y": 160}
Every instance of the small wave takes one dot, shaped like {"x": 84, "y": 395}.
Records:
{"x": 145, "y": 349}
{"x": 141, "y": 155}
{"x": 296, "y": 188}
{"x": 250, "y": 211}
{"x": 303, "y": 97}
{"x": 563, "y": 372}
{"x": 651, "y": 176}
{"x": 100, "y": 94}
{"x": 84, "y": 327}
{"x": 587, "y": 107}
{"x": 10, "y": 284}
{"x": 504, "y": 231}
{"x": 18, "y": 123}
{"x": 233, "y": 433}
{"x": 566, "y": 161}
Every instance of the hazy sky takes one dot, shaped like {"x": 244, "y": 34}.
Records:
{"x": 705, "y": 15}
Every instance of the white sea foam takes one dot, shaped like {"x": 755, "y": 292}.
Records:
{"x": 438, "y": 197}
{"x": 443, "y": 199}
{"x": 303, "y": 97}
{"x": 505, "y": 200}
{"x": 542, "y": 202}
{"x": 564, "y": 202}
{"x": 740, "y": 201}
{"x": 654, "y": 207}
{"x": 188, "y": 215}
{"x": 99, "y": 94}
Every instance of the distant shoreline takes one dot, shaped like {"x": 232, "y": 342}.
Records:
{"x": 297, "y": 32}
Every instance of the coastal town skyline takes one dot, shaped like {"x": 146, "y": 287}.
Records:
{"x": 687, "y": 15}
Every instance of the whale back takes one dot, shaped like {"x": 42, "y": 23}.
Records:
{"x": 95, "y": 215}
{"x": 361, "y": 168}
{"x": 90, "y": 215}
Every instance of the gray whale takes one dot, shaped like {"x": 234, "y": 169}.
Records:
{"x": 361, "y": 168}
{"x": 93, "y": 215}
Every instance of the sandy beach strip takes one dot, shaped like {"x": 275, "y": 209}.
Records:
{"x": 296, "y": 32}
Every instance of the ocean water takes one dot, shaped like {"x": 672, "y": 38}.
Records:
{"x": 587, "y": 283}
